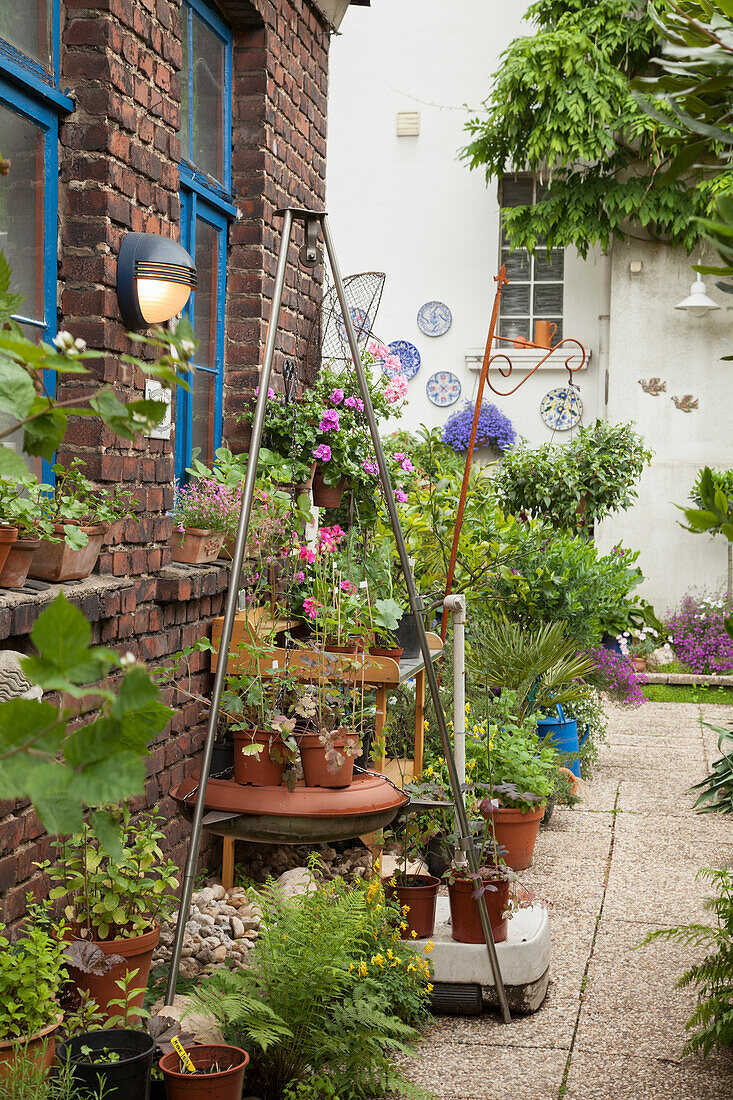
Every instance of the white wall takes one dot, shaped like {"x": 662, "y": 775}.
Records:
{"x": 409, "y": 207}
{"x": 649, "y": 338}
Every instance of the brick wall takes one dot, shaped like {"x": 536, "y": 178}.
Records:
{"x": 119, "y": 152}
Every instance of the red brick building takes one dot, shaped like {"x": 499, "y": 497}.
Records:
{"x": 193, "y": 119}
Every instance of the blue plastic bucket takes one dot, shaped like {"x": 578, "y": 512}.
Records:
{"x": 563, "y": 732}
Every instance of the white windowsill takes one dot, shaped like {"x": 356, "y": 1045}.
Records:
{"x": 526, "y": 358}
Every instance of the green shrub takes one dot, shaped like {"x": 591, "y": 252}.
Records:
{"x": 31, "y": 973}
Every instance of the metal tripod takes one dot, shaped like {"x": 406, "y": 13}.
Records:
{"x": 308, "y": 254}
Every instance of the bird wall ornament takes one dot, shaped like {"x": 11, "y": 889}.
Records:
{"x": 685, "y": 404}
{"x": 653, "y": 386}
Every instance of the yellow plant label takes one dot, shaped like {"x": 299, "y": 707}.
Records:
{"x": 180, "y": 1051}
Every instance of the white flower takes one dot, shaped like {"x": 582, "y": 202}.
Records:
{"x": 63, "y": 341}
{"x": 128, "y": 659}
{"x": 80, "y": 345}
{"x": 188, "y": 347}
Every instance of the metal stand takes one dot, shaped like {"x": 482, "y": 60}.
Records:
{"x": 311, "y": 221}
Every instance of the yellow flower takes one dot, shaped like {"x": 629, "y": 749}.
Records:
{"x": 390, "y": 954}
{"x": 403, "y": 926}
{"x": 413, "y": 933}
{"x": 441, "y": 760}
{"x": 410, "y": 967}
{"x": 429, "y": 987}
{"x": 405, "y": 909}
{"x": 429, "y": 771}
{"x": 428, "y": 947}
{"x": 426, "y": 725}
{"x": 363, "y": 969}
{"x": 468, "y": 708}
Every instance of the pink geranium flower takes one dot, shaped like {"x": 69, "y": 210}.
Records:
{"x": 337, "y": 396}
{"x": 371, "y": 468}
{"x": 400, "y": 496}
{"x": 322, "y": 452}
{"x": 311, "y": 607}
{"x": 329, "y": 421}
{"x": 305, "y": 554}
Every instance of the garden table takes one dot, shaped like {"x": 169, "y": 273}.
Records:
{"x": 382, "y": 674}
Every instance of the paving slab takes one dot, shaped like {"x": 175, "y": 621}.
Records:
{"x": 616, "y": 1077}
{"x": 458, "y": 1071}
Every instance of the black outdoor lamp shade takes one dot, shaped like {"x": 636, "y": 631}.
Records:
{"x": 155, "y": 277}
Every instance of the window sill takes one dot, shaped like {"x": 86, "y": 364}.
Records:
{"x": 526, "y": 358}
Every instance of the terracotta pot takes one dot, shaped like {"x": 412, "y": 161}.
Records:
{"x": 38, "y": 1049}
{"x": 315, "y": 769}
{"x": 395, "y": 652}
{"x": 327, "y": 496}
{"x": 517, "y": 834}
{"x": 639, "y": 662}
{"x": 8, "y": 535}
{"x": 259, "y": 770}
{"x": 464, "y": 911}
{"x": 196, "y": 545}
{"x": 332, "y": 647}
{"x": 137, "y": 951}
{"x": 55, "y": 561}
{"x": 419, "y": 893}
{"x": 15, "y": 571}
{"x": 227, "y": 1084}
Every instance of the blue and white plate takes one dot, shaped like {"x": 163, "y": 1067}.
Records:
{"x": 434, "y": 318}
{"x": 443, "y": 388}
{"x": 408, "y": 356}
{"x": 361, "y": 321}
{"x": 561, "y": 409}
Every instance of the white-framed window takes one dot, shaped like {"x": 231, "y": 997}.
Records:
{"x": 535, "y": 288}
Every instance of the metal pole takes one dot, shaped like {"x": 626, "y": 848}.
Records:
{"x": 500, "y": 280}
{"x": 418, "y": 607}
{"x": 457, "y": 606}
{"x": 240, "y": 542}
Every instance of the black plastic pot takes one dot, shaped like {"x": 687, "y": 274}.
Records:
{"x": 406, "y": 636}
{"x": 362, "y": 761}
{"x": 435, "y": 859}
{"x": 222, "y": 758}
{"x": 127, "y": 1079}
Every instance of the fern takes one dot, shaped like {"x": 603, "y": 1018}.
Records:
{"x": 712, "y": 1021}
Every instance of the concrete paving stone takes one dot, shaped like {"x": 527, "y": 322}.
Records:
{"x": 659, "y": 792}
{"x": 674, "y": 838}
{"x": 572, "y": 891}
{"x": 596, "y": 1076}
{"x": 626, "y": 985}
{"x": 659, "y": 896}
{"x": 457, "y": 1071}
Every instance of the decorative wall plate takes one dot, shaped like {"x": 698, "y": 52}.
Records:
{"x": 408, "y": 356}
{"x": 434, "y": 318}
{"x": 361, "y": 321}
{"x": 561, "y": 409}
{"x": 443, "y": 388}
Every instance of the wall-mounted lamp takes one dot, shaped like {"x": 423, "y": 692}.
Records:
{"x": 155, "y": 277}
{"x": 698, "y": 303}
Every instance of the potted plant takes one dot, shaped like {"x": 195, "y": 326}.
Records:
{"x": 639, "y": 644}
{"x": 115, "y": 902}
{"x": 80, "y": 515}
{"x": 116, "y": 1061}
{"x": 20, "y": 504}
{"x": 32, "y": 972}
{"x": 202, "y": 514}
{"x": 506, "y": 758}
{"x": 416, "y": 894}
{"x": 329, "y": 744}
{"x": 253, "y": 705}
{"x": 8, "y": 529}
{"x": 207, "y": 1072}
{"x": 386, "y": 617}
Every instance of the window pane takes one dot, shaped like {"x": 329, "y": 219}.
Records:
{"x": 205, "y": 297}
{"x": 515, "y": 300}
{"x": 207, "y": 58}
{"x": 517, "y": 192}
{"x": 549, "y": 265}
{"x": 185, "y": 147}
{"x": 517, "y": 264}
{"x": 547, "y": 299}
{"x": 512, "y": 328}
{"x": 204, "y": 413}
{"x": 21, "y": 209}
{"x": 27, "y": 26}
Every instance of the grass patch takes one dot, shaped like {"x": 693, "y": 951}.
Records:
{"x": 687, "y": 693}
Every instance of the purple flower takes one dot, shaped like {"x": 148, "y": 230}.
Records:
{"x": 323, "y": 452}
{"x": 494, "y": 428}
{"x": 360, "y": 404}
{"x": 337, "y": 396}
{"x": 329, "y": 421}
{"x": 407, "y": 465}
{"x": 618, "y": 677}
{"x": 697, "y": 631}
{"x": 371, "y": 468}
{"x": 400, "y": 496}
{"x": 350, "y": 402}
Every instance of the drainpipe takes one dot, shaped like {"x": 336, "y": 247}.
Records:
{"x": 604, "y": 335}
{"x": 457, "y": 606}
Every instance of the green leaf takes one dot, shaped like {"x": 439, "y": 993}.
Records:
{"x": 62, "y": 635}
{"x": 11, "y": 463}
{"x": 17, "y": 393}
{"x": 106, "y": 827}
{"x": 43, "y": 435}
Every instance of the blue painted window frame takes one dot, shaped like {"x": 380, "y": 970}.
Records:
{"x": 211, "y": 201}
{"x": 27, "y": 88}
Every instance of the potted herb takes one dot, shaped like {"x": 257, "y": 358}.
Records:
{"x": 208, "y": 1072}
{"x": 639, "y": 644}
{"x": 31, "y": 974}
{"x": 116, "y": 901}
{"x": 416, "y": 894}
{"x": 202, "y": 515}
{"x": 80, "y": 515}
